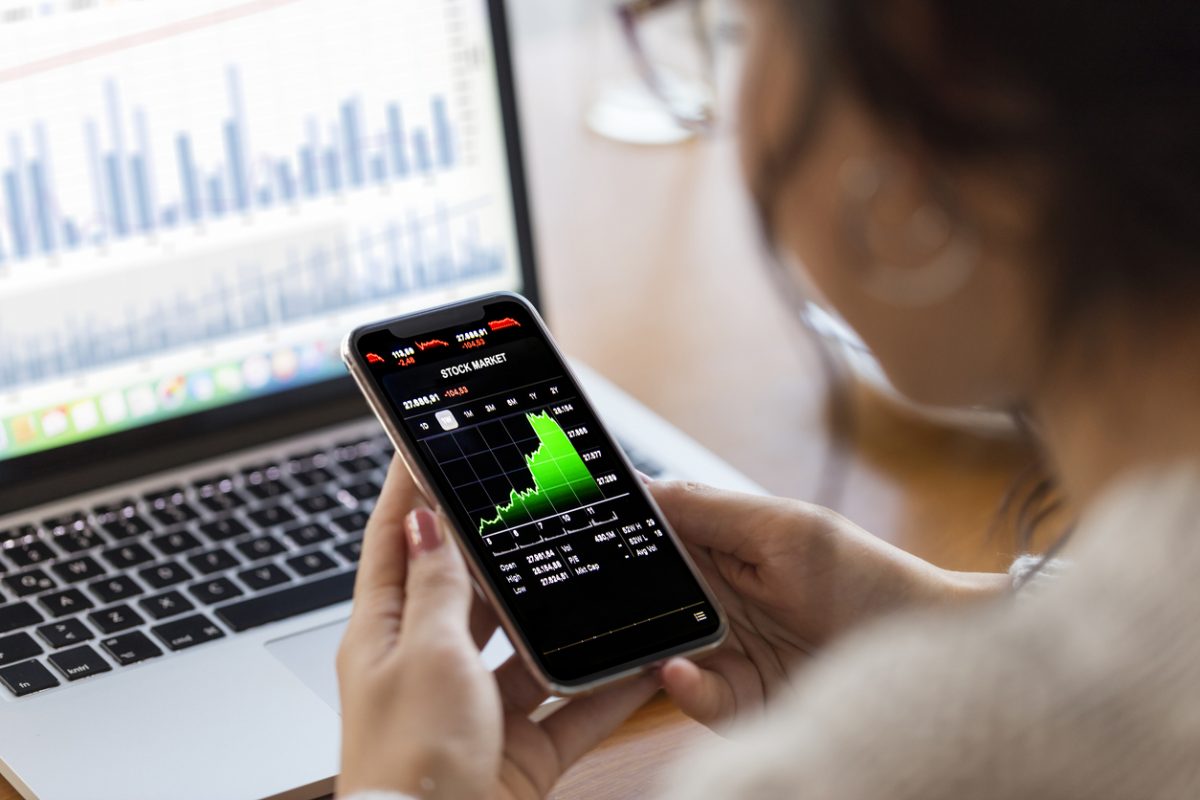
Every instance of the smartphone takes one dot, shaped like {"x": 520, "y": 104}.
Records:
{"x": 588, "y": 579}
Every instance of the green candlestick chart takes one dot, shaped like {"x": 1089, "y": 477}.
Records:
{"x": 560, "y": 479}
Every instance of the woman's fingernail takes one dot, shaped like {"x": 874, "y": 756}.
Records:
{"x": 645, "y": 478}
{"x": 424, "y": 533}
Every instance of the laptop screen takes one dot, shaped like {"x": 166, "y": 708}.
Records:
{"x": 197, "y": 200}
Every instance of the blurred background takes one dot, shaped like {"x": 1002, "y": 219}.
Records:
{"x": 656, "y": 277}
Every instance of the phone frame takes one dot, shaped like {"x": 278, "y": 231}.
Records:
{"x": 441, "y": 316}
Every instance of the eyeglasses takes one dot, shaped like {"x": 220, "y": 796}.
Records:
{"x": 673, "y": 46}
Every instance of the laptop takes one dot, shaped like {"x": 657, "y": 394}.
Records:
{"x": 197, "y": 201}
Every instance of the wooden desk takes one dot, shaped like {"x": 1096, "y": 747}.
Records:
{"x": 653, "y": 277}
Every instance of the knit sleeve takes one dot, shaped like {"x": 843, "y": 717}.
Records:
{"x": 1083, "y": 687}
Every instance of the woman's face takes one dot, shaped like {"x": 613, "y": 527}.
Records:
{"x": 971, "y": 344}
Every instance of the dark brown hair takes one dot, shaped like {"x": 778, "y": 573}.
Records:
{"x": 1101, "y": 96}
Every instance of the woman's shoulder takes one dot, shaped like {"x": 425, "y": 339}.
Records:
{"x": 1083, "y": 688}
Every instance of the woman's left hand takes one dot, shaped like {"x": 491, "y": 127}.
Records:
{"x": 421, "y": 715}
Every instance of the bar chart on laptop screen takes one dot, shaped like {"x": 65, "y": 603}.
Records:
{"x": 198, "y": 199}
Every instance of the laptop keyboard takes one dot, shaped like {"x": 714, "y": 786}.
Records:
{"x": 134, "y": 579}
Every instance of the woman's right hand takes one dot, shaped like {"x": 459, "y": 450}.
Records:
{"x": 791, "y": 576}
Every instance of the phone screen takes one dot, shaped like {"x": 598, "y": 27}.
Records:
{"x": 580, "y": 558}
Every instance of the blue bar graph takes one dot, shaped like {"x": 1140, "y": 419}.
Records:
{"x": 379, "y": 168}
{"x": 139, "y": 172}
{"x": 42, "y": 201}
{"x": 443, "y": 133}
{"x": 308, "y": 166}
{"x": 216, "y": 192}
{"x": 187, "y": 176}
{"x": 141, "y": 192}
{"x": 116, "y": 194}
{"x": 41, "y": 206}
{"x": 16, "y": 214}
{"x": 351, "y": 148}
{"x": 287, "y": 187}
{"x": 352, "y": 143}
{"x": 421, "y": 145}
{"x": 237, "y": 169}
{"x": 333, "y": 169}
{"x": 396, "y": 141}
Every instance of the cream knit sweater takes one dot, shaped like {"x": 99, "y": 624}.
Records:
{"x": 1085, "y": 686}
{"x": 1082, "y": 687}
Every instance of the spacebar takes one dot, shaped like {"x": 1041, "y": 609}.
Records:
{"x": 287, "y": 603}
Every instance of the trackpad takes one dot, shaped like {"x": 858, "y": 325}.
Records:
{"x": 310, "y": 657}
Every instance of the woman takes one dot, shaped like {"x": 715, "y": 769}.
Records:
{"x": 1004, "y": 200}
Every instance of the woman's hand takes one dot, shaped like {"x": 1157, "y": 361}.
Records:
{"x": 791, "y": 576}
{"x": 421, "y": 715}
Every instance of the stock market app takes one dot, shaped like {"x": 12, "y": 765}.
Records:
{"x": 573, "y": 548}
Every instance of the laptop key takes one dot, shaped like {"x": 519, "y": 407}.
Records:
{"x": 271, "y": 516}
{"x": 115, "y": 619}
{"x": 358, "y": 464}
{"x": 127, "y": 555}
{"x": 68, "y": 601}
{"x": 18, "y": 615}
{"x": 317, "y": 503}
{"x": 126, "y": 527}
{"x": 57, "y": 526}
{"x": 216, "y": 560}
{"x": 317, "y": 476}
{"x": 78, "y": 569}
{"x": 351, "y": 551}
{"x": 160, "y": 576}
{"x": 19, "y": 532}
{"x": 214, "y": 591}
{"x": 29, "y": 553}
{"x": 267, "y": 489}
{"x": 79, "y": 662}
{"x": 263, "y": 577}
{"x": 352, "y": 522}
{"x": 64, "y": 632}
{"x": 64, "y": 522}
{"x": 18, "y": 647}
{"x": 214, "y": 484}
{"x": 31, "y": 581}
{"x": 130, "y": 648}
{"x": 364, "y": 490}
{"x": 118, "y": 587}
{"x": 306, "y": 460}
{"x": 188, "y": 632}
{"x": 221, "y": 529}
{"x": 285, "y": 603}
{"x": 261, "y": 547}
{"x": 175, "y": 514}
{"x": 167, "y": 604}
{"x": 176, "y": 542}
{"x": 108, "y": 512}
{"x": 77, "y": 540}
{"x": 311, "y": 563}
{"x": 258, "y": 473}
{"x": 220, "y": 502}
{"x": 162, "y": 498}
{"x": 307, "y": 534}
{"x": 27, "y": 678}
